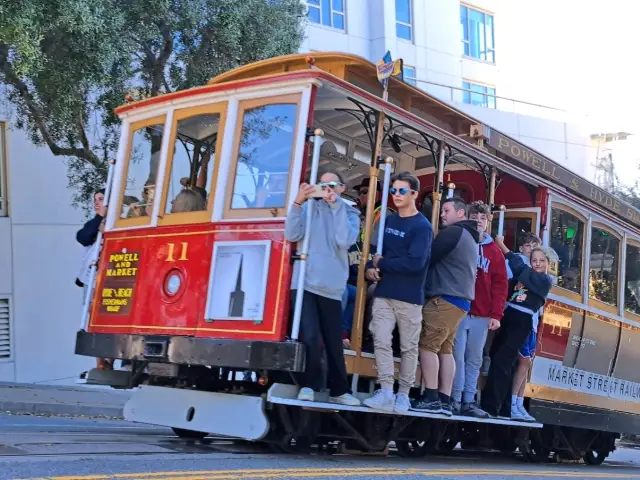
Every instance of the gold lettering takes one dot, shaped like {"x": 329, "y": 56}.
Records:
{"x": 527, "y": 157}
{"x": 608, "y": 201}
{"x": 183, "y": 252}
{"x": 114, "y": 309}
{"x": 107, "y": 292}
{"x": 616, "y": 205}
{"x": 594, "y": 193}
{"x": 535, "y": 162}
{"x": 503, "y": 143}
{"x": 574, "y": 184}
{"x": 515, "y": 151}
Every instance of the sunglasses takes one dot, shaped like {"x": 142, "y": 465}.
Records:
{"x": 331, "y": 185}
{"x": 402, "y": 191}
{"x": 364, "y": 191}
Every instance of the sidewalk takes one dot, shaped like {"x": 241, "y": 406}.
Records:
{"x": 65, "y": 400}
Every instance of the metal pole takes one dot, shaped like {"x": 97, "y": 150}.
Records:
{"x": 437, "y": 193}
{"x": 304, "y": 251}
{"x": 96, "y": 253}
{"x": 383, "y": 206}
{"x": 501, "y": 220}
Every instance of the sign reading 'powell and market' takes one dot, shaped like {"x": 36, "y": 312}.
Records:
{"x": 561, "y": 175}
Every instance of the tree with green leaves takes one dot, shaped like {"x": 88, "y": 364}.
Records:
{"x": 66, "y": 64}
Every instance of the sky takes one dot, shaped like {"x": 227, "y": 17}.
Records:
{"x": 579, "y": 56}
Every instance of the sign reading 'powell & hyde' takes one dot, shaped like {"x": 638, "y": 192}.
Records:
{"x": 564, "y": 177}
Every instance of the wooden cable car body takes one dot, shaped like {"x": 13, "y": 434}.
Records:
{"x": 193, "y": 297}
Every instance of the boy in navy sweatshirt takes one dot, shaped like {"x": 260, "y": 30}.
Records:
{"x": 401, "y": 272}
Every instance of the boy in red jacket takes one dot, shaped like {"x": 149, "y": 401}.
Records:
{"x": 485, "y": 314}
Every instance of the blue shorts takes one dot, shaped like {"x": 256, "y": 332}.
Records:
{"x": 529, "y": 346}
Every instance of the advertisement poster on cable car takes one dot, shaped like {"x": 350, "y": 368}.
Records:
{"x": 239, "y": 280}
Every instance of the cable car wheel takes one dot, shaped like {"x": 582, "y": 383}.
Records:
{"x": 534, "y": 452}
{"x": 595, "y": 457}
{"x": 413, "y": 448}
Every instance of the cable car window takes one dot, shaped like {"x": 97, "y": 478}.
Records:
{"x": 264, "y": 157}
{"x": 189, "y": 184}
{"x": 142, "y": 171}
{"x": 566, "y": 238}
{"x": 632, "y": 280}
{"x": 603, "y": 266}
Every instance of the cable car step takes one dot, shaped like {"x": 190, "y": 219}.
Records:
{"x": 287, "y": 395}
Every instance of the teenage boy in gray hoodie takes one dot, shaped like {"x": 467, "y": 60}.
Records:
{"x": 335, "y": 228}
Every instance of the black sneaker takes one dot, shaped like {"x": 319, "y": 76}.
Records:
{"x": 472, "y": 410}
{"x": 446, "y": 408}
{"x": 455, "y": 407}
{"x": 424, "y": 405}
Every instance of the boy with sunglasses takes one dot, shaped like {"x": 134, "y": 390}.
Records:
{"x": 400, "y": 271}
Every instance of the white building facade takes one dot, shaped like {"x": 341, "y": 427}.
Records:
{"x": 450, "y": 49}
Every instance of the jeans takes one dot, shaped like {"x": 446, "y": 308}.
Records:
{"x": 514, "y": 330}
{"x": 467, "y": 352}
{"x": 348, "y": 307}
{"x": 320, "y": 322}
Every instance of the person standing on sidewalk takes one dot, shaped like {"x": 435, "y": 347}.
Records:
{"x": 401, "y": 272}
{"x": 449, "y": 291}
{"x": 527, "y": 294}
{"x": 485, "y": 314}
{"x": 335, "y": 229}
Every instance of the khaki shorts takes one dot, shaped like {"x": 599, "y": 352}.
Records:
{"x": 440, "y": 320}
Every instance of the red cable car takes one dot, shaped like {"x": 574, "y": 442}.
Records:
{"x": 192, "y": 284}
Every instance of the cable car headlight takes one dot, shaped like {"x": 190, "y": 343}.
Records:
{"x": 172, "y": 283}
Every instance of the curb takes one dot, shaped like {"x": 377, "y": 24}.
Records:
{"x": 35, "y": 408}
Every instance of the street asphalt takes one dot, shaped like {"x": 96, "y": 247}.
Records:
{"x": 95, "y": 449}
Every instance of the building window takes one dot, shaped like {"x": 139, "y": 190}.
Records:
{"x": 3, "y": 170}
{"x": 409, "y": 75}
{"x": 567, "y": 238}
{"x": 327, "y": 12}
{"x": 632, "y": 280}
{"x": 479, "y": 95}
{"x": 477, "y": 34}
{"x": 603, "y": 266}
{"x": 403, "y": 19}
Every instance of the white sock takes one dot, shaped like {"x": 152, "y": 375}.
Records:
{"x": 520, "y": 401}
{"x": 514, "y": 400}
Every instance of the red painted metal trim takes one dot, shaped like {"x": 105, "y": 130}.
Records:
{"x": 192, "y": 92}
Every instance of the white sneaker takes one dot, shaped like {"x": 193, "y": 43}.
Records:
{"x": 516, "y": 414}
{"x": 346, "y": 399}
{"x": 525, "y": 415}
{"x": 381, "y": 400}
{"x": 306, "y": 395}
{"x": 402, "y": 404}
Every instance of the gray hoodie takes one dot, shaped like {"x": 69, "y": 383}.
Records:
{"x": 335, "y": 228}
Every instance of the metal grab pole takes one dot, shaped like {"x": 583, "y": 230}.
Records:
{"x": 96, "y": 253}
{"x": 385, "y": 200}
{"x": 501, "y": 221}
{"x": 304, "y": 251}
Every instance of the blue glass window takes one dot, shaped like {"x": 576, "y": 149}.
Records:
{"x": 403, "y": 19}
{"x": 329, "y": 13}
{"x": 477, "y": 34}
{"x": 409, "y": 74}
{"x": 480, "y": 95}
